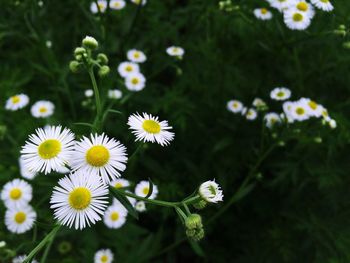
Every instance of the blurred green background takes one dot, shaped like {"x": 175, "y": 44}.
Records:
{"x": 298, "y": 209}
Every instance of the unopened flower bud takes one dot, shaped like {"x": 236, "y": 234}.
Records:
{"x": 200, "y": 204}
{"x": 90, "y": 43}
{"x": 2, "y": 244}
{"x": 339, "y": 32}
{"x": 74, "y": 66}
{"x": 193, "y": 221}
{"x": 195, "y": 234}
{"x": 79, "y": 51}
{"x": 318, "y": 140}
{"x": 102, "y": 58}
{"x": 342, "y": 27}
{"x": 346, "y": 45}
{"x": 103, "y": 71}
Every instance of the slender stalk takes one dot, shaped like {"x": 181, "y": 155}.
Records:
{"x": 42, "y": 244}
{"x": 97, "y": 122}
{"x": 136, "y": 151}
{"x": 47, "y": 249}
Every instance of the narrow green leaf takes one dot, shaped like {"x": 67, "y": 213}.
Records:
{"x": 83, "y": 124}
{"x": 197, "y": 248}
{"x": 125, "y": 202}
{"x": 114, "y": 111}
{"x": 150, "y": 188}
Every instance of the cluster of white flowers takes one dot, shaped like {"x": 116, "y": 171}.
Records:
{"x": 297, "y": 14}
{"x": 102, "y": 5}
{"x": 40, "y": 109}
{"x": 293, "y": 111}
{"x": 130, "y": 70}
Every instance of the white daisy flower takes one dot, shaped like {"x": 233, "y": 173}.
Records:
{"x": 324, "y": 5}
{"x": 175, "y": 51}
{"x": 126, "y": 68}
{"x": 148, "y": 128}
{"x": 42, "y": 109}
{"x": 314, "y": 109}
{"x": 234, "y": 106}
{"x": 117, "y": 4}
{"x": 287, "y": 109}
{"x": 48, "y": 149}
{"x": 280, "y": 4}
{"x": 140, "y": 206}
{"x": 24, "y": 170}
{"x": 296, "y": 20}
{"x": 262, "y": 14}
{"x": 20, "y": 219}
{"x": 16, "y": 193}
{"x": 139, "y": 2}
{"x": 211, "y": 192}
{"x": 332, "y": 123}
{"x": 114, "y": 94}
{"x": 103, "y": 256}
{"x": 259, "y": 103}
{"x": 17, "y": 102}
{"x": 21, "y": 258}
{"x": 100, "y": 155}
{"x": 251, "y": 114}
{"x": 135, "y": 82}
{"x": 89, "y": 93}
{"x": 79, "y": 199}
{"x": 101, "y": 5}
{"x": 115, "y": 216}
{"x": 142, "y": 189}
{"x": 136, "y": 56}
{"x": 299, "y": 111}
{"x": 120, "y": 183}
{"x": 280, "y": 94}
{"x": 303, "y": 7}
{"x": 271, "y": 119}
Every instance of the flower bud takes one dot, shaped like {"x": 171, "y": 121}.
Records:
{"x": 346, "y": 45}
{"x": 200, "y": 204}
{"x": 103, "y": 71}
{"x": 74, "y": 66}
{"x": 339, "y": 32}
{"x": 2, "y": 244}
{"x": 342, "y": 27}
{"x": 318, "y": 140}
{"x": 193, "y": 221}
{"x": 195, "y": 234}
{"x": 79, "y": 51}
{"x": 102, "y": 58}
{"x": 90, "y": 43}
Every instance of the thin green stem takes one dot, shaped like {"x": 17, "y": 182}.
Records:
{"x": 42, "y": 244}
{"x": 97, "y": 122}
{"x": 136, "y": 151}
{"x": 47, "y": 249}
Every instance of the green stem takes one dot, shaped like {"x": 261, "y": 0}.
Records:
{"x": 42, "y": 243}
{"x": 47, "y": 249}
{"x": 136, "y": 151}
{"x": 97, "y": 123}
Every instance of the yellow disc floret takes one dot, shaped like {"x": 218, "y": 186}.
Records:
{"x": 104, "y": 258}
{"x": 80, "y": 198}
{"x": 97, "y": 156}
{"x": 20, "y": 217}
{"x": 145, "y": 190}
{"x": 15, "y": 99}
{"x": 15, "y": 193}
{"x": 49, "y": 149}
{"x": 114, "y": 216}
{"x": 151, "y": 126}
{"x": 297, "y": 17}
{"x": 302, "y": 6}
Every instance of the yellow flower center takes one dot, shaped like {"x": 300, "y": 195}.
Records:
{"x": 280, "y": 94}
{"x": 313, "y": 105}
{"x": 136, "y": 54}
{"x": 273, "y": 120}
{"x": 145, "y": 190}
{"x": 135, "y": 81}
{"x": 15, "y": 99}
{"x": 116, "y": 4}
{"x": 49, "y": 149}
{"x": 80, "y": 198}
{"x": 128, "y": 68}
{"x": 101, "y": 6}
{"x": 43, "y": 110}
{"x": 302, "y": 6}
{"x": 325, "y": 113}
{"x": 324, "y": 1}
{"x": 297, "y": 17}
{"x": 20, "y": 217}
{"x": 15, "y": 193}
{"x": 263, "y": 11}
{"x": 104, "y": 258}
{"x": 151, "y": 126}
{"x": 97, "y": 156}
{"x": 235, "y": 105}
{"x": 114, "y": 216}
{"x": 118, "y": 185}
{"x": 300, "y": 111}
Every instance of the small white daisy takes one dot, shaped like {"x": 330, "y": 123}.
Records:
{"x": 304, "y": 7}
{"x": 262, "y": 13}
{"x": 17, "y": 102}
{"x": 20, "y": 219}
{"x": 296, "y": 20}
{"x": 314, "y": 109}
{"x": 324, "y": 5}
{"x": 120, "y": 183}
{"x": 103, "y": 256}
{"x": 101, "y": 5}
{"x": 142, "y": 189}
{"x": 280, "y": 94}
{"x": 42, "y": 109}
{"x": 259, "y": 103}
{"x": 175, "y": 51}
{"x": 126, "y": 68}
{"x": 16, "y": 193}
{"x": 138, "y": 2}
{"x": 210, "y": 191}
{"x": 79, "y": 199}
{"x": 117, "y": 4}
{"x": 21, "y": 258}
{"x": 135, "y": 81}
{"x": 299, "y": 111}
{"x": 115, "y": 216}
{"x": 114, "y": 94}
{"x": 24, "y": 170}
{"x": 332, "y": 124}
{"x": 89, "y": 93}
{"x": 100, "y": 155}
{"x": 136, "y": 56}
{"x": 140, "y": 206}
{"x": 148, "y": 128}
{"x": 48, "y": 149}
{"x": 271, "y": 119}
{"x": 251, "y": 114}
{"x": 234, "y": 106}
